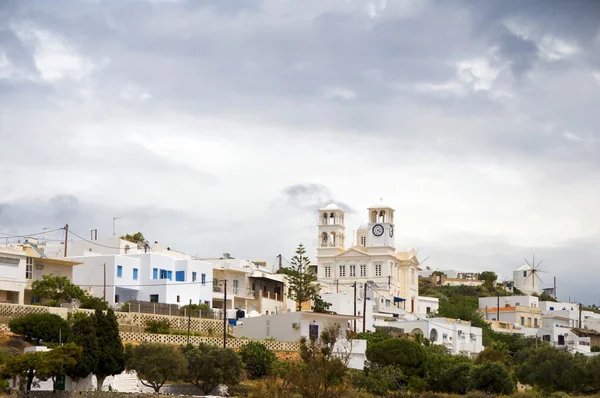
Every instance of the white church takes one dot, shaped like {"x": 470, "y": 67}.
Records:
{"x": 391, "y": 276}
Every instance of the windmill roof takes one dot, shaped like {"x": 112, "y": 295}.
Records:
{"x": 524, "y": 267}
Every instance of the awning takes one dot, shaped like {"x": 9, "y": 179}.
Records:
{"x": 398, "y": 299}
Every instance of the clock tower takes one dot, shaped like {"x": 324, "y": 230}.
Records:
{"x": 380, "y": 230}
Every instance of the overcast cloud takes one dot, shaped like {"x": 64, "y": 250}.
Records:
{"x": 221, "y": 126}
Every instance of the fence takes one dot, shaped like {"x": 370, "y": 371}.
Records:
{"x": 195, "y": 340}
{"x": 128, "y": 321}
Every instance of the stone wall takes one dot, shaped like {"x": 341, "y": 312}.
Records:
{"x": 195, "y": 340}
{"x": 128, "y": 321}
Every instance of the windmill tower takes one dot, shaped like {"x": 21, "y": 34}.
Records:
{"x": 527, "y": 279}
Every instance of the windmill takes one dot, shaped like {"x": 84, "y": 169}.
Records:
{"x": 533, "y": 273}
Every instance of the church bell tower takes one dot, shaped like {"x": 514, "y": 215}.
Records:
{"x": 381, "y": 226}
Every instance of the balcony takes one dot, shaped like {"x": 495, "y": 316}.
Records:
{"x": 268, "y": 295}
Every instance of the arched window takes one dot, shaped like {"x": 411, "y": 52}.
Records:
{"x": 324, "y": 239}
{"x": 324, "y": 218}
{"x": 374, "y": 216}
{"x": 332, "y": 239}
{"x": 332, "y": 219}
{"x": 382, "y": 216}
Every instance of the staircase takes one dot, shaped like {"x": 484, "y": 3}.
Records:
{"x": 124, "y": 382}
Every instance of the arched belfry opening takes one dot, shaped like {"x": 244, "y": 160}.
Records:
{"x": 382, "y": 216}
{"x": 324, "y": 239}
{"x": 374, "y": 216}
{"x": 325, "y": 219}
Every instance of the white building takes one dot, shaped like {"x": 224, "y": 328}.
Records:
{"x": 557, "y": 331}
{"x": 145, "y": 277}
{"x": 21, "y": 264}
{"x": 391, "y": 275}
{"x": 428, "y": 305}
{"x": 343, "y": 304}
{"x": 291, "y": 326}
{"x": 509, "y": 301}
{"x": 456, "y": 335}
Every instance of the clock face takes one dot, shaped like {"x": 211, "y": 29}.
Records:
{"x": 378, "y": 230}
{"x": 391, "y": 231}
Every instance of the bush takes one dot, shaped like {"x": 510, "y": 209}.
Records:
{"x": 257, "y": 358}
{"x": 491, "y": 378}
{"x": 162, "y": 326}
{"x": 49, "y": 328}
{"x": 208, "y": 366}
{"x": 93, "y": 303}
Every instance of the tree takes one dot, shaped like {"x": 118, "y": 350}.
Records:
{"x": 300, "y": 281}
{"x": 58, "y": 362}
{"x": 257, "y": 358}
{"x": 42, "y": 364}
{"x": 49, "y": 328}
{"x": 547, "y": 368}
{"x": 93, "y": 303}
{"x": 85, "y": 335}
{"x": 111, "y": 360}
{"x": 155, "y": 363}
{"x": 208, "y": 366}
{"x": 407, "y": 355}
{"x": 138, "y": 237}
{"x": 488, "y": 277}
{"x": 56, "y": 290}
{"x": 492, "y": 378}
{"x": 197, "y": 310}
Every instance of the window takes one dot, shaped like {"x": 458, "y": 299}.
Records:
{"x": 178, "y": 299}
{"x": 387, "y": 303}
{"x": 428, "y": 310}
{"x": 163, "y": 274}
{"x": 154, "y": 298}
{"x": 193, "y": 277}
{"x": 116, "y": 298}
{"x": 524, "y": 274}
{"x": 342, "y": 271}
{"x": 561, "y": 339}
{"x": 546, "y": 337}
{"x": 523, "y": 320}
{"x": 535, "y": 322}
{"x": 203, "y": 279}
{"x": 363, "y": 241}
{"x": 528, "y": 322}
{"x": 444, "y": 336}
{"x": 29, "y": 268}
{"x": 413, "y": 274}
{"x": 154, "y": 273}
{"x": 327, "y": 271}
{"x": 363, "y": 270}
{"x": 235, "y": 286}
{"x": 353, "y": 270}
{"x": 119, "y": 271}
{"x": 377, "y": 269}
{"x": 170, "y": 275}
{"x": 135, "y": 274}
{"x": 180, "y": 276}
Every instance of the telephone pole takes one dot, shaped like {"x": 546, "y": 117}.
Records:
{"x": 225, "y": 314}
{"x": 189, "y": 320}
{"x": 498, "y": 308}
{"x": 104, "y": 281}
{"x": 354, "y": 306}
{"x": 66, "y": 238}
{"x": 365, "y": 308}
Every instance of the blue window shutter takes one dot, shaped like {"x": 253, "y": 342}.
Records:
{"x": 180, "y": 276}
{"x": 119, "y": 271}
{"x": 170, "y": 275}
{"x": 135, "y": 274}
{"x": 193, "y": 277}
{"x": 155, "y": 273}
{"x": 203, "y": 279}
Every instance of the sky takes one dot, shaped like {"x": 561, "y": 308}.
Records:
{"x": 222, "y": 126}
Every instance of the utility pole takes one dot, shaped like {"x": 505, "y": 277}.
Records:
{"x": 104, "y": 281}
{"x": 365, "y": 308}
{"x": 337, "y": 285}
{"x": 498, "y": 308}
{"x": 225, "y": 315}
{"x": 555, "y": 295}
{"x": 279, "y": 261}
{"x": 354, "y": 307}
{"x": 66, "y": 238}
{"x": 580, "y": 310}
{"x": 189, "y": 320}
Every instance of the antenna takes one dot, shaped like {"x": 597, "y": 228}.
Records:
{"x": 535, "y": 268}
{"x": 115, "y": 219}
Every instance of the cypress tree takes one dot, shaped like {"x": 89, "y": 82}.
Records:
{"x": 111, "y": 358}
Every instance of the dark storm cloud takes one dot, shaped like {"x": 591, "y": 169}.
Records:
{"x": 312, "y": 197}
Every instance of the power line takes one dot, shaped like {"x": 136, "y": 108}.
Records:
{"x": 118, "y": 285}
{"x": 94, "y": 243}
{"x": 34, "y": 234}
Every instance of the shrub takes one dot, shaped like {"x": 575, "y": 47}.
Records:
{"x": 492, "y": 378}
{"x": 257, "y": 358}
{"x": 49, "y": 328}
{"x": 208, "y": 366}
{"x": 162, "y": 326}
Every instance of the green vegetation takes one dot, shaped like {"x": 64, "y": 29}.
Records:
{"x": 197, "y": 310}
{"x": 138, "y": 237}
{"x": 111, "y": 356}
{"x": 161, "y": 326}
{"x": 208, "y": 366}
{"x": 258, "y": 359}
{"x": 37, "y": 328}
{"x": 155, "y": 363}
{"x": 300, "y": 280}
{"x": 57, "y": 290}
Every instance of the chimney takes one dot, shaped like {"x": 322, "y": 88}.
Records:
{"x": 156, "y": 245}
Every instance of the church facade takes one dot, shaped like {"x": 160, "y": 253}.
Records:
{"x": 391, "y": 276}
